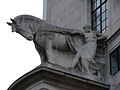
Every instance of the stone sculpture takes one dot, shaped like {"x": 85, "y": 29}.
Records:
{"x": 53, "y": 42}
{"x": 87, "y": 55}
{"x": 44, "y": 35}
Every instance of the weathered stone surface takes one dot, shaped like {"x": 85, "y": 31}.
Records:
{"x": 47, "y": 78}
{"x": 68, "y": 48}
{"x": 112, "y": 44}
{"x": 67, "y": 13}
{"x": 113, "y": 31}
{"x": 114, "y": 17}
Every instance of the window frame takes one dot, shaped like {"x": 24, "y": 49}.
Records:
{"x": 117, "y": 50}
{"x": 98, "y": 18}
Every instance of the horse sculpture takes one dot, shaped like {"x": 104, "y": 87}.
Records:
{"x": 69, "y": 48}
{"x": 47, "y": 37}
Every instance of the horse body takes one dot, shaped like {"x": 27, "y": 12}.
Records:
{"x": 43, "y": 30}
{"x": 47, "y": 37}
{"x": 58, "y": 41}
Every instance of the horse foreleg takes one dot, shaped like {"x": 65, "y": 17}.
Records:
{"x": 42, "y": 54}
{"x": 48, "y": 49}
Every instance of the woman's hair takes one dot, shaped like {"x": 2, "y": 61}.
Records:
{"x": 87, "y": 26}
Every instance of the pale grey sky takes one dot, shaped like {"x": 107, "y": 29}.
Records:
{"x": 17, "y": 55}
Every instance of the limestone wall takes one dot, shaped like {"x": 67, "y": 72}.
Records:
{"x": 76, "y": 13}
{"x": 113, "y": 39}
{"x": 114, "y": 16}
{"x": 67, "y": 13}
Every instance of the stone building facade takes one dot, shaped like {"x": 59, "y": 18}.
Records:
{"x": 102, "y": 15}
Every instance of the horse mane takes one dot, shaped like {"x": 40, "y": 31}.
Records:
{"x": 28, "y": 18}
{"x": 42, "y": 25}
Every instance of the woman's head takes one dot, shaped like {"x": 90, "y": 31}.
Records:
{"x": 87, "y": 28}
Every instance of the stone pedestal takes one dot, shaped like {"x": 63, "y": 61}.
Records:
{"x": 51, "y": 77}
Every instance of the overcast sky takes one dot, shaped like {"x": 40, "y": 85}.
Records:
{"x": 17, "y": 55}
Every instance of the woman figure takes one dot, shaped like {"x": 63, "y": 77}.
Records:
{"x": 89, "y": 49}
{"x": 89, "y": 65}
{"x": 88, "y": 52}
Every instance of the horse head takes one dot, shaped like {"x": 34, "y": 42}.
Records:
{"x": 23, "y": 27}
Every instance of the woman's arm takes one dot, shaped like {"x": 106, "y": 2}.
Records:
{"x": 100, "y": 36}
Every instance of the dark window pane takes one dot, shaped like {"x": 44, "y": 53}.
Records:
{"x": 103, "y": 25}
{"x": 94, "y": 6}
{"x": 98, "y": 20}
{"x": 103, "y": 1}
{"x": 94, "y": 15}
{"x": 119, "y": 51}
{"x": 103, "y": 16}
{"x": 98, "y": 3}
{"x": 106, "y": 22}
{"x": 103, "y": 7}
{"x": 114, "y": 62}
{"x": 98, "y": 12}
{"x": 98, "y": 28}
{"x": 94, "y": 23}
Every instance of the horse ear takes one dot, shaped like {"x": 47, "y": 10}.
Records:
{"x": 10, "y": 24}
{"x": 13, "y": 21}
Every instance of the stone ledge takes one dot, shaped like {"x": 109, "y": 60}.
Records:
{"x": 46, "y": 78}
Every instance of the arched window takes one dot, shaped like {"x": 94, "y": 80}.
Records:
{"x": 99, "y": 15}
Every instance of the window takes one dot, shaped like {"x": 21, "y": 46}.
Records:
{"x": 115, "y": 61}
{"x": 99, "y": 15}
